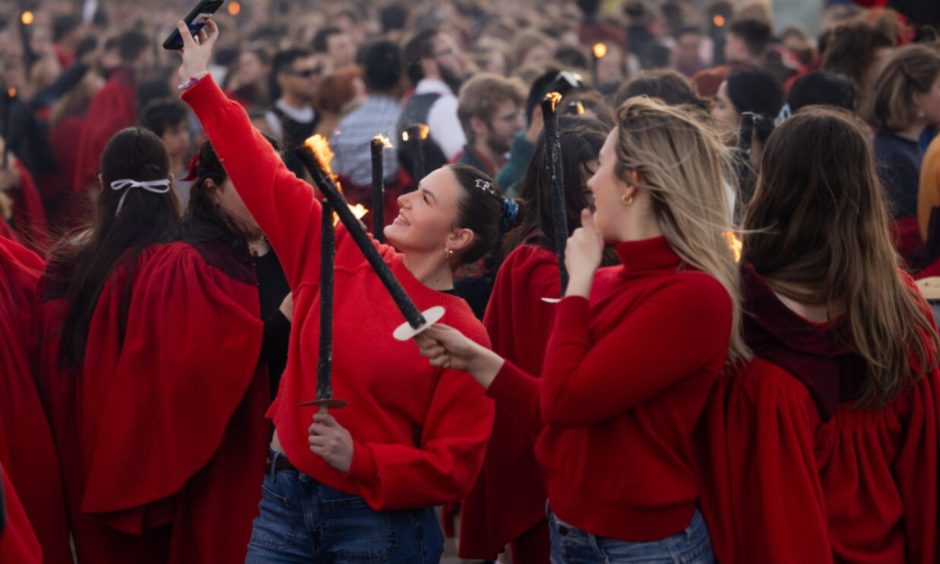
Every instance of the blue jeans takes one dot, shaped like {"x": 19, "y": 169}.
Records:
{"x": 302, "y": 520}
{"x": 574, "y": 546}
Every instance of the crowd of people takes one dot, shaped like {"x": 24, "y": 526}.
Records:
{"x": 706, "y": 339}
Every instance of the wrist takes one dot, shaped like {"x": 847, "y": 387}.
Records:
{"x": 580, "y": 285}
{"x": 485, "y": 366}
{"x": 193, "y": 80}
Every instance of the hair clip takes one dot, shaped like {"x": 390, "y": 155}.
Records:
{"x": 485, "y": 185}
{"x": 510, "y": 213}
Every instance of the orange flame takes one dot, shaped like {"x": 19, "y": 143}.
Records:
{"x": 320, "y": 147}
{"x": 11, "y": 92}
{"x": 718, "y": 20}
{"x": 555, "y": 99}
{"x": 579, "y": 108}
{"x": 386, "y": 142}
{"x": 734, "y": 244}
{"x": 599, "y": 50}
{"x": 27, "y": 18}
{"x": 423, "y": 131}
{"x": 234, "y": 9}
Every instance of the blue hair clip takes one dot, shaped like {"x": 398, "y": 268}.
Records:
{"x": 510, "y": 213}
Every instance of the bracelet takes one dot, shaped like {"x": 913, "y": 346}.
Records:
{"x": 192, "y": 81}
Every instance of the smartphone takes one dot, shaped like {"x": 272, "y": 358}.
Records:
{"x": 196, "y": 20}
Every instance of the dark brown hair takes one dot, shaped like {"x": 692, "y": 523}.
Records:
{"x": 480, "y": 210}
{"x": 911, "y": 70}
{"x": 817, "y": 230}
{"x": 82, "y": 269}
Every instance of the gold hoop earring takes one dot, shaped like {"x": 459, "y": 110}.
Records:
{"x": 626, "y": 200}
{"x": 448, "y": 252}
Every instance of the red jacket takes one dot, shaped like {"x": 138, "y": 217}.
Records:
{"x": 509, "y": 497}
{"x": 625, "y": 379}
{"x": 795, "y": 473}
{"x": 113, "y": 108}
{"x": 419, "y": 433}
{"x": 161, "y": 433}
{"x": 27, "y": 452}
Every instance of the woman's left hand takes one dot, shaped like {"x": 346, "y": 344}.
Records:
{"x": 583, "y": 255}
{"x": 331, "y": 441}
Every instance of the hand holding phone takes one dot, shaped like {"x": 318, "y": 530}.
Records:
{"x": 195, "y": 21}
{"x": 197, "y": 51}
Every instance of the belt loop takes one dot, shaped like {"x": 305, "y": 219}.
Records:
{"x": 274, "y": 456}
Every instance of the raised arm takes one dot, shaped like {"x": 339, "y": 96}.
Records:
{"x": 285, "y": 207}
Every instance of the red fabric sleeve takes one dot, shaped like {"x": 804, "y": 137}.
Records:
{"x": 285, "y": 207}
{"x": 775, "y": 496}
{"x": 17, "y": 541}
{"x": 916, "y": 472}
{"x": 519, "y": 393}
{"x": 673, "y": 333}
{"x": 448, "y": 455}
{"x": 190, "y": 352}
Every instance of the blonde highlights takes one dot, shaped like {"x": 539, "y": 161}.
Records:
{"x": 682, "y": 163}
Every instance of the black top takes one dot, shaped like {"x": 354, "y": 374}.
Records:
{"x": 272, "y": 288}
{"x": 898, "y": 161}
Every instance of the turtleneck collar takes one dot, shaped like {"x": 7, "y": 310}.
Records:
{"x": 647, "y": 256}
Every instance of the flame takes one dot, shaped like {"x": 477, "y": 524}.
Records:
{"x": 718, "y": 20}
{"x": 234, "y": 9}
{"x": 579, "y": 108}
{"x": 404, "y": 136}
{"x": 320, "y": 147}
{"x": 11, "y": 92}
{"x": 423, "y": 131}
{"x": 27, "y": 18}
{"x": 385, "y": 141}
{"x": 599, "y": 50}
{"x": 555, "y": 98}
{"x": 734, "y": 244}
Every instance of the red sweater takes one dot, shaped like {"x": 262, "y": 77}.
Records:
{"x": 795, "y": 474}
{"x": 419, "y": 433}
{"x": 625, "y": 379}
{"x": 508, "y": 498}
{"x": 161, "y": 433}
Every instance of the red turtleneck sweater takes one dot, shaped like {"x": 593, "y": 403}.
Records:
{"x": 625, "y": 379}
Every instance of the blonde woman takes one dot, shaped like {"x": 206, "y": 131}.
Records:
{"x": 635, "y": 349}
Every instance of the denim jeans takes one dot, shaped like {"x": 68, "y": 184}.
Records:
{"x": 574, "y": 546}
{"x": 302, "y": 520}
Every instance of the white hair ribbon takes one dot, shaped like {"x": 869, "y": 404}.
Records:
{"x": 161, "y": 186}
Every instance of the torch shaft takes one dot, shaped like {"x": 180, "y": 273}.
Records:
{"x": 557, "y": 179}
{"x": 378, "y": 191}
{"x": 327, "y": 254}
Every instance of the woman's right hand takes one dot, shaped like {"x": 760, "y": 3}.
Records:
{"x": 447, "y": 347}
{"x": 197, "y": 51}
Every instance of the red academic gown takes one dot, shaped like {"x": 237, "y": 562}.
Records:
{"x": 18, "y": 543}
{"x": 419, "y": 433}
{"x": 27, "y": 451}
{"x": 113, "y": 108}
{"x": 29, "y": 215}
{"x": 509, "y": 497}
{"x": 162, "y": 434}
{"x": 794, "y": 473}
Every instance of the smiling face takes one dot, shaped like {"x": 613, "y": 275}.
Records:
{"x": 428, "y": 215}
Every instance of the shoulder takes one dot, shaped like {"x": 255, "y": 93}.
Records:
{"x": 459, "y": 316}
{"x": 773, "y": 388}
{"x": 696, "y": 291}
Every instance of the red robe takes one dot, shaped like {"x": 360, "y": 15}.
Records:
{"x": 795, "y": 474}
{"x": 508, "y": 498}
{"x": 18, "y": 543}
{"x": 27, "y": 451}
{"x": 29, "y": 215}
{"x": 162, "y": 435}
{"x": 113, "y": 108}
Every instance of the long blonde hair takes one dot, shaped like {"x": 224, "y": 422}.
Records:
{"x": 682, "y": 163}
{"x": 817, "y": 230}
